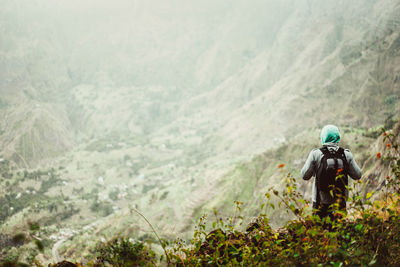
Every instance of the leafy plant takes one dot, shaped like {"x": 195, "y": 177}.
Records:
{"x": 370, "y": 235}
{"x": 123, "y": 252}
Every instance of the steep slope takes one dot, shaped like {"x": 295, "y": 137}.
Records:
{"x": 32, "y": 131}
{"x": 249, "y": 181}
{"x": 248, "y": 81}
{"x": 333, "y": 73}
{"x": 153, "y": 52}
{"x": 166, "y": 118}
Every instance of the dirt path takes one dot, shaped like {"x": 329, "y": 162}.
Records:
{"x": 54, "y": 250}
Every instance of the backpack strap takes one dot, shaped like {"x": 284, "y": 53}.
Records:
{"x": 341, "y": 153}
{"x": 325, "y": 151}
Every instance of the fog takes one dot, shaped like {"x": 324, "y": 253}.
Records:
{"x": 177, "y": 107}
{"x": 140, "y": 43}
{"x": 80, "y": 58}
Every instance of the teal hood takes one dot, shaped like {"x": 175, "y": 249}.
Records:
{"x": 330, "y": 134}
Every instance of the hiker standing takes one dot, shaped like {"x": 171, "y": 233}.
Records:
{"x": 330, "y": 164}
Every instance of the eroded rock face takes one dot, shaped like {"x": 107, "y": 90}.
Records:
{"x": 254, "y": 75}
{"x": 177, "y": 88}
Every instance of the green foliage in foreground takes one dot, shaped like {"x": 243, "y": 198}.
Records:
{"x": 371, "y": 236}
{"x": 123, "y": 252}
{"x": 367, "y": 240}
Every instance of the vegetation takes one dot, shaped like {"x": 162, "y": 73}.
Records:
{"x": 369, "y": 236}
{"x": 134, "y": 119}
{"x": 16, "y": 199}
{"x": 12, "y": 255}
{"x": 123, "y": 252}
{"x": 102, "y": 207}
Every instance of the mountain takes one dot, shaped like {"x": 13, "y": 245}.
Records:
{"x": 323, "y": 73}
{"x": 176, "y": 111}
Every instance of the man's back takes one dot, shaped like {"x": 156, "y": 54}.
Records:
{"x": 313, "y": 163}
{"x": 330, "y": 138}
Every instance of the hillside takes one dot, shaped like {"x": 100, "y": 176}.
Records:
{"x": 367, "y": 234}
{"x": 247, "y": 182}
{"x": 180, "y": 111}
{"x": 343, "y": 50}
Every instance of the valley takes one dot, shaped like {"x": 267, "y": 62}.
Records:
{"x": 179, "y": 112}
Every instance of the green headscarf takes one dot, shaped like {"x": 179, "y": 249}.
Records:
{"x": 330, "y": 134}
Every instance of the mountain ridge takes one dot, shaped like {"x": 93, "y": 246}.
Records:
{"x": 100, "y": 131}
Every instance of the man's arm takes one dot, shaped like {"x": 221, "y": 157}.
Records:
{"x": 353, "y": 170}
{"x": 308, "y": 169}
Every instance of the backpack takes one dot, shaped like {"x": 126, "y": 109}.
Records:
{"x": 331, "y": 175}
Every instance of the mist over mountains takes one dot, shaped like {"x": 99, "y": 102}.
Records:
{"x": 236, "y": 71}
{"x": 162, "y": 104}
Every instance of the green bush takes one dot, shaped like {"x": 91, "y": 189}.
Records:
{"x": 372, "y": 133}
{"x": 103, "y": 208}
{"x": 113, "y": 195}
{"x": 371, "y": 236}
{"x": 122, "y": 252}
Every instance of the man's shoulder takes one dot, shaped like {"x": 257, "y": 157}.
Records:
{"x": 346, "y": 150}
{"x": 316, "y": 151}
{"x": 348, "y": 154}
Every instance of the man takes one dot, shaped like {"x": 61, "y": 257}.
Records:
{"x": 330, "y": 160}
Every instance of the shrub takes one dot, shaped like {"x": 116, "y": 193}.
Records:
{"x": 113, "y": 195}
{"x": 371, "y": 236}
{"x": 372, "y": 133}
{"x": 103, "y": 208}
{"x": 123, "y": 252}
